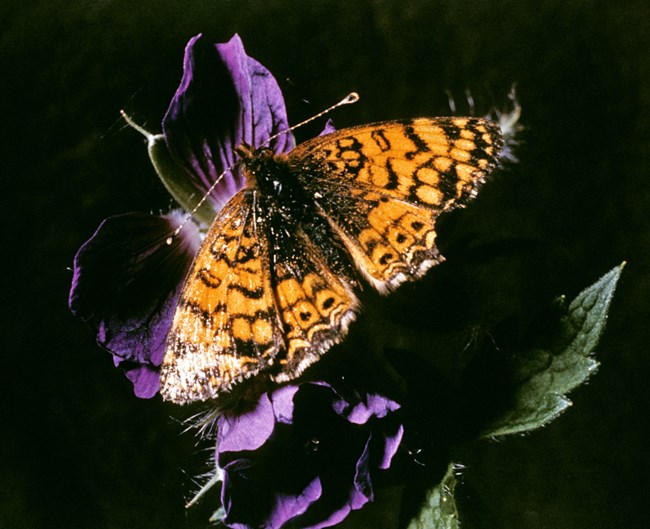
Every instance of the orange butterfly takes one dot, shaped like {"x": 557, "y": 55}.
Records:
{"x": 272, "y": 287}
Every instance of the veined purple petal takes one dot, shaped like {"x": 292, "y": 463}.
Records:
{"x": 225, "y": 99}
{"x": 263, "y": 113}
{"x": 126, "y": 284}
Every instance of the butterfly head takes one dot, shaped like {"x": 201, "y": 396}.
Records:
{"x": 264, "y": 169}
{"x": 253, "y": 159}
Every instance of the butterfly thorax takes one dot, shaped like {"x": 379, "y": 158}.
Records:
{"x": 290, "y": 211}
{"x": 276, "y": 179}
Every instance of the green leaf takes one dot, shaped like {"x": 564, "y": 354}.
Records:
{"x": 543, "y": 377}
{"x": 439, "y": 508}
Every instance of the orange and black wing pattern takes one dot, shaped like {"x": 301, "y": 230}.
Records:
{"x": 382, "y": 187}
{"x": 260, "y": 297}
{"x": 226, "y": 326}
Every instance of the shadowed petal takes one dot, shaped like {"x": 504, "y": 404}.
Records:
{"x": 126, "y": 284}
{"x": 312, "y": 467}
{"x": 288, "y": 506}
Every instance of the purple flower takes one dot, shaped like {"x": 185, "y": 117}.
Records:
{"x": 126, "y": 279}
{"x": 304, "y": 454}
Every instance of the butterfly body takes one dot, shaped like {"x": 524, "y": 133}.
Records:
{"x": 289, "y": 210}
{"x": 276, "y": 179}
{"x": 272, "y": 287}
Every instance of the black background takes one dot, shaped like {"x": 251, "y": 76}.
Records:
{"x": 79, "y": 450}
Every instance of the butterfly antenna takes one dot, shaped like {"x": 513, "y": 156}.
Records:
{"x": 205, "y": 196}
{"x": 349, "y": 99}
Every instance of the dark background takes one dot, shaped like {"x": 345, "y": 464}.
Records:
{"x": 79, "y": 450}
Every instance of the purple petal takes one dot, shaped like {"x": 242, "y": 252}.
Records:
{"x": 271, "y": 511}
{"x": 290, "y": 486}
{"x": 126, "y": 284}
{"x": 391, "y": 444}
{"x": 282, "y": 399}
{"x": 225, "y": 99}
{"x": 289, "y": 506}
{"x": 360, "y": 412}
{"x": 360, "y": 493}
{"x": 245, "y": 431}
{"x": 145, "y": 380}
{"x": 329, "y": 128}
{"x": 356, "y": 501}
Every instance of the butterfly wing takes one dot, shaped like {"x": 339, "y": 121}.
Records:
{"x": 315, "y": 303}
{"x": 260, "y": 296}
{"x": 382, "y": 186}
{"x": 226, "y": 326}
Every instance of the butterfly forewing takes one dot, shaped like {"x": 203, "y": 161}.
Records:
{"x": 436, "y": 162}
{"x": 383, "y": 185}
{"x": 226, "y": 326}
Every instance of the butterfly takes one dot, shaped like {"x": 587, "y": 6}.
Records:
{"x": 272, "y": 287}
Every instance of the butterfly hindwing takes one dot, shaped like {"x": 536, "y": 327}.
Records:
{"x": 313, "y": 286}
{"x": 390, "y": 240}
{"x": 260, "y": 296}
